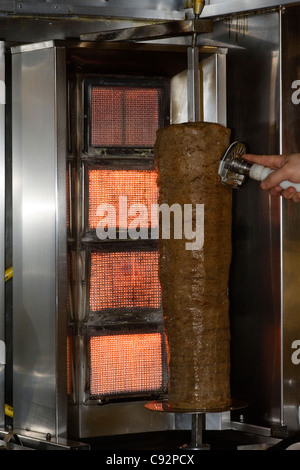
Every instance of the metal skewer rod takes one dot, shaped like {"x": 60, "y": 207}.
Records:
{"x": 198, "y": 420}
{"x": 193, "y": 78}
{"x": 197, "y": 429}
{"x": 193, "y": 84}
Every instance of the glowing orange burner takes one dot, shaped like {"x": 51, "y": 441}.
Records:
{"x": 124, "y": 280}
{"x": 138, "y": 186}
{"x": 126, "y": 363}
{"x": 124, "y": 116}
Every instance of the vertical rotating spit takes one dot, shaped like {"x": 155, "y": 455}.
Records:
{"x": 193, "y": 98}
{"x": 198, "y": 423}
{"x": 198, "y": 419}
{"x": 193, "y": 77}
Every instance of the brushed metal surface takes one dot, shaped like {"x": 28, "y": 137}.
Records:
{"x": 212, "y": 92}
{"x": 264, "y": 292}
{"x": 152, "y": 31}
{"x": 290, "y": 227}
{"x": 151, "y": 9}
{"x": 254, "y": 117}
{"x": 220, "y": 8}
{"x": 39, "y": 240}
{"x": 2, "y": 224}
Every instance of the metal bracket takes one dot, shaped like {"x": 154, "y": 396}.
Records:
{"x": 170, "y": 29}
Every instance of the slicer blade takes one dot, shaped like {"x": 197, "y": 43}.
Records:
{"x": 233, "y": 169}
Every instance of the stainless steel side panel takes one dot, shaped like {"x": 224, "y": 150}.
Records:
{"x": 254, "y": 117}
{"x": 116, "y": 419}
{"x": 263, "y": 111}
{"x": 39, "y": 239}
{"x": 150, "y": 9}
{"x": 291, "y": 223}
{"x": 2, "y": 231}
{"x": 226, "y": 7}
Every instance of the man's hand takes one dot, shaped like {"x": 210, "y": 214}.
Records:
{"x": 286, "y": 167}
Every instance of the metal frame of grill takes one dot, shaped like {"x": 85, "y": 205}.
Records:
{"x": 62, "y": 172}
{"x": 85, "y": 159}
{"x": 143, "y": 164}
{"x": 113, "y": 82}
{"x": 118, "y": 332}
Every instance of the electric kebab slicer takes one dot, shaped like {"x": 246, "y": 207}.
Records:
{"x": 234, "y": 170}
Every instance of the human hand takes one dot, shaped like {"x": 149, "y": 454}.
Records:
{"x": 286, "y": 167}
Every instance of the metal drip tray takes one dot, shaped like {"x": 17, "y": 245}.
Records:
{"x": 163, "y": 406}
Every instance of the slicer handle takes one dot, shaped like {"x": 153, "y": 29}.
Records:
{"x": 259, "y": 173}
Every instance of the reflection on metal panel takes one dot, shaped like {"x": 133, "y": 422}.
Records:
{"x": 152, "y": 32}
{"x": 213, "y": 71}
{"x": 290, "y": 225}
{"x": 264, "y": 284}
{"x": 212, "y": 90}
{"x": 2, "y": 223}
{"x": 151, "y": 9}
{"x": 227, "y": 7}
{"x": 255, "y": 298}
{"x": 39, "y": 244}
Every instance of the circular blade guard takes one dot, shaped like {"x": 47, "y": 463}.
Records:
{"x": 231, "y": 171}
